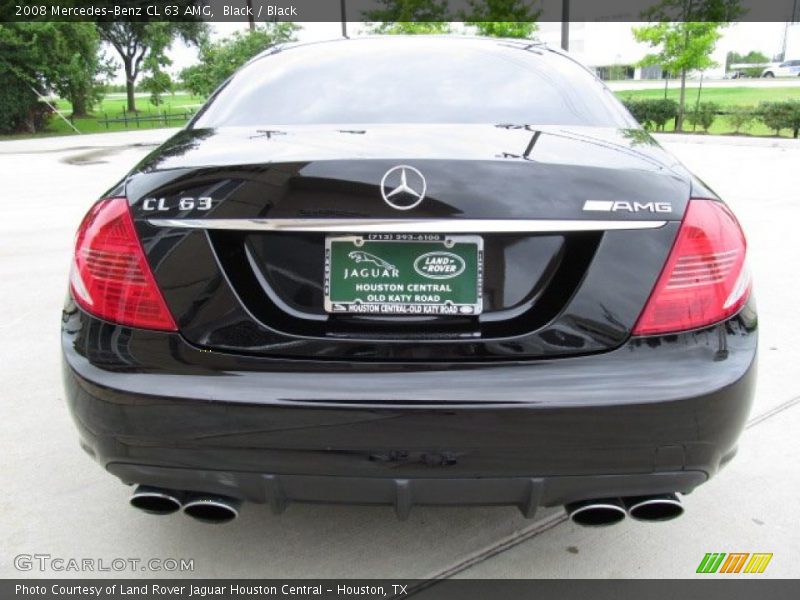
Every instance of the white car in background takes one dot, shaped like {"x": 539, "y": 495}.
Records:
{"x": 788, "y": 68}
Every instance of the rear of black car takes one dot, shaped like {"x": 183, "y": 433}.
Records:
{"x": 364, "y": 275}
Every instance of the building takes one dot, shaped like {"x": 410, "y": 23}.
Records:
{"x": 608, "y": 47}
{"x": 611, "y": 50}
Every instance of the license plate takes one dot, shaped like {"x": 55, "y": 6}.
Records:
{"x": 404, "y": 274}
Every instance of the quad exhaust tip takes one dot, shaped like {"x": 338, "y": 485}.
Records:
{"x": 663, "y": 507}
{"x": 156, "y": 501}
{"x": 217, "y": 509}
{"x": 596, "y": 513}
{"x": 210, "y": 508}
{"x": 609, "y": 511}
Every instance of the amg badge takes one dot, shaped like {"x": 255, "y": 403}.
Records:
{"x": 625, "y": 206}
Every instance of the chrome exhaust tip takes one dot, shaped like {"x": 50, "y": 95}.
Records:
{"x": 211, "y": 508}
{"x": 662, "y": 507}
{"x": 156, "y": 501}
{"x": 596, "y": 513}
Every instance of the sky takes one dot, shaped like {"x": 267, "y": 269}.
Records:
{"x": 183, "y": 56}
{"x": 618, "y": 47}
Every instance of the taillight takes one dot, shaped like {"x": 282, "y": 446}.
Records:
{"x": 705, "y": 279}
{"x": 110, "y": 276}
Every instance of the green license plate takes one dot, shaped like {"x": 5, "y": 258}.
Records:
{"x": 404, "y": 274}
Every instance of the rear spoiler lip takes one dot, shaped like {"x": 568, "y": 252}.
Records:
{"x": 410, "y": 225}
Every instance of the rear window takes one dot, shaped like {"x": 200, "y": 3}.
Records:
{"x": 402, "y": 80}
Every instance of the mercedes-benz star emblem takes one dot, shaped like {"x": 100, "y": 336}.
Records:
{"x": 403, "y": 187}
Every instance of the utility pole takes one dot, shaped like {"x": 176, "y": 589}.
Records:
{"x": 792, "y": 20}
{"x": 344, "y": 18}
{"x": 250, "y": 16}
{"x": 785, "y": 40}
{"x": 564, "y": 25}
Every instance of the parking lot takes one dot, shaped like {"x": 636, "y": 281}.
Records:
{"x": 56, "y": 501}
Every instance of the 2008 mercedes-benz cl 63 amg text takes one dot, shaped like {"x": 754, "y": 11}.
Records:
{"x": 411, "y": 271}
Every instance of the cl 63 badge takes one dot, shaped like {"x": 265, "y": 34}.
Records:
{"x": 187, "y": 203}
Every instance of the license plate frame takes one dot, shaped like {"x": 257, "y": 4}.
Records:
{"x": 425, "y": 266}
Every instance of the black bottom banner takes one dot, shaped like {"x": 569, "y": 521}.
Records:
{"x": 374, "y": 589}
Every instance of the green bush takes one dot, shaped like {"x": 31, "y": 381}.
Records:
{"x": 793, "y": 116}
{"x": 637, "y": 109}
{"x": 781, "y": 115}
{"x": 741, "y": 117}
{"x": 652, "y": 113}
{"x": 704, "y": 115}
{"x": 771, "y": 114}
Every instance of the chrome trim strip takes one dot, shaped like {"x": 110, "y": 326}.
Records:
{"x": 408, "y": 225}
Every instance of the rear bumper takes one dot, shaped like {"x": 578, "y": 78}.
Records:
{"x": 656, "y": 415}
{"x": 526, "y": 493}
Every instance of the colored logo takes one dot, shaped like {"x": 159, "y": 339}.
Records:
{"x": 439, "y": 265}
{"x": 734, "y": 562}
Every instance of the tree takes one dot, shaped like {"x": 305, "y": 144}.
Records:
{"x": 80, "y": 68}
{"x": 137, "y": 42}
{"x": 686, "y": 31}
{"x": 40, "y": 56}
{"x": 157, "y": 83}
{"x": 685, "y": 46}
{"x": 503, "y": 18}
{"x": 18, "y": 105}
{"x": 219, "y": 60}
{"x": 22, "y": 69}
{"x": 410, "y": 17}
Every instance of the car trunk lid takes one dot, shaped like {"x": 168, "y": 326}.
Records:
{"x": 574, "y": 225}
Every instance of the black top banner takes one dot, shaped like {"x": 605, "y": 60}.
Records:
{"x": 399, "y": 10}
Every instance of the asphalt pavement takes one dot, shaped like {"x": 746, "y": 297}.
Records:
{"x": 56, "y": 501}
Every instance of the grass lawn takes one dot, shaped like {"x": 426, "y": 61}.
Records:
{"x": 724, "y": 97}
{"x": 113, "y": 108}
{"x": 722, "y": 127}
{"x": 734, "y": 96}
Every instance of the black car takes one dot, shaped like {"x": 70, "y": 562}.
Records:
{"x": 407, "y": 271}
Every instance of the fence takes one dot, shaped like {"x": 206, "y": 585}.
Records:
{"x": 129, "y": 119}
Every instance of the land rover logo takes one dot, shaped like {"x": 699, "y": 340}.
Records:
{"x": 439, "y": 265}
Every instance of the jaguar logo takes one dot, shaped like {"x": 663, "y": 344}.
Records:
{"x": 439, "y": 265}
{"x": 359, "y": 256}
{"x": 381, "y": 270}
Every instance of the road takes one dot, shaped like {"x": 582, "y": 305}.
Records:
{"x": 56, "y": 501}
